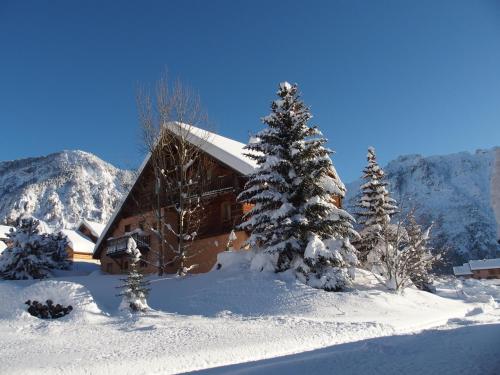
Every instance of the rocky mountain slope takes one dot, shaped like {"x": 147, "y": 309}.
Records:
{"x": 460, "y": 193}
{"x": 61, "y": 188}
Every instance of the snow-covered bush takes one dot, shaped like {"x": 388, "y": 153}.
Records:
{"x": 328, "y": 264}
{"x": 49, "y": 310}
{"x": 401, "y": 256}
{"x": 292, "y": 194}
{"x": 135, "y": 286}
{"x": 32, "y": 254}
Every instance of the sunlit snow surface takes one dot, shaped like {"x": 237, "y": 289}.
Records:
{"x": 237, "y": 316}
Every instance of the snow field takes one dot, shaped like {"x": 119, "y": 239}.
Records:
{"x": 228, "y": 316}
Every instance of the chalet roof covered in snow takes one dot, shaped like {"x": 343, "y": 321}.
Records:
{"x": 94, "y": 227}
{"x": 226, "y": 150}
{"x": 79, "y": 243}
{"x": 463, "y": 270}
{"x": 484, "y": 264}
{"x": 4, "y": 229}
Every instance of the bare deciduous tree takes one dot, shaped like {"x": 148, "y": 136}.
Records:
{"x": 401, "y": 255}
{"x": 171, "y": 122}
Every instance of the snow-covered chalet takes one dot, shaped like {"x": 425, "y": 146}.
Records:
{"x": 226, "y": 173}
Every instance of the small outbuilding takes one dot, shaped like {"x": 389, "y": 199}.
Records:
{"x": 479, "y": 269}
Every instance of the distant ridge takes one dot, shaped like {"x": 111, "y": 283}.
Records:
{"x": 61, "y": 188}
{"x": 457, "y": 192}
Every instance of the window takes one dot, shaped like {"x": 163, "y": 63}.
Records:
{"x": 225, "y": 209}
{"x": 210, "y": 174}
{"x": 127, "y": 228}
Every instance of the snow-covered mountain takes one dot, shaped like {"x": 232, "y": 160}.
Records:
{"x": 460, "y": 193}
{"x": 61, "y": 188}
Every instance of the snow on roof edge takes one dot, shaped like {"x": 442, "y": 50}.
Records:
{"x": 462, "y": 270}
{"x": 78, "y": 242}
{"x": 484, "y": 264}
{"x": 4, "y": 229}
{"x": 95, "y": 228}
{"x": 226, "y": 150}
{"x": 122, "y": 202}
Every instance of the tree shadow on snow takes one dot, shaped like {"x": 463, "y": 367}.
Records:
{"x": 467, "y": 350}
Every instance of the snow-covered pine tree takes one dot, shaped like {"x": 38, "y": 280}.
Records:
{"x": 32, "y": 255}
{"x": 55, "y": 246}
{"x": 135, "y": 286}
{"x": 292, "y": 195}
{"x": 375, "y": 206}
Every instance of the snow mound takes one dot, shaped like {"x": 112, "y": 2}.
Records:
{"x": 230, "y": 260}
{"x": 252, "y": 260}
{"x": 62, "y": 292}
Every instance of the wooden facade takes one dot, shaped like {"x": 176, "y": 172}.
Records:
{"x": 223, "y": 179}
{"x": 221, "y": 214}
{"x": 77, "y": 255}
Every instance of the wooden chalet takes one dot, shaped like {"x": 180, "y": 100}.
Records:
{"x": 479, "y": 269}
{"x": 226, "y": 172}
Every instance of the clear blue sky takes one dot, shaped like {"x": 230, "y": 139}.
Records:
{"x": 403, "y": 76}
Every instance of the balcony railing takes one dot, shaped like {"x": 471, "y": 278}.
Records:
{"x": 217, "y": 185}
{"x": 118, "y": 246}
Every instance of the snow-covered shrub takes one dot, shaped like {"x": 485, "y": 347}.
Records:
{"x": 401, "y": 256}
{"x": 328, "y": 264}
{"x": 233, "y": 260}
{"x": 263, "y": 261}
{"x": 32, "y": 254}
{"x": 49, "y": 310}
{"x": 292, "y": 193}
{"x": 135, "y": 286}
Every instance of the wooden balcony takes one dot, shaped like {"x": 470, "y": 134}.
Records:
{"x": 116, "y": 247}
{"x": 218, "y": 185}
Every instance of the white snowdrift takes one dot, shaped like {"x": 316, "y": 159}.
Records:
{"x": 228, "y": 316}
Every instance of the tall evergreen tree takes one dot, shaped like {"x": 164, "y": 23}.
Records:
{"x": 293, "y": 187}
{"x": 375, "y": 206}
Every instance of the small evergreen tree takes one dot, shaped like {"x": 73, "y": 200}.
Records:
{"x": 422, "y": 259}
{"x": 292, "y": 192}
{"x": 32, "y": 254}
{"x": 375, "y": 207}
{"x": 56, "y": 245}
{"x": 135, "y": 286}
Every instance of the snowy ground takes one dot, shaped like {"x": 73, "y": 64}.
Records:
{"x": 238, "y": 321}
